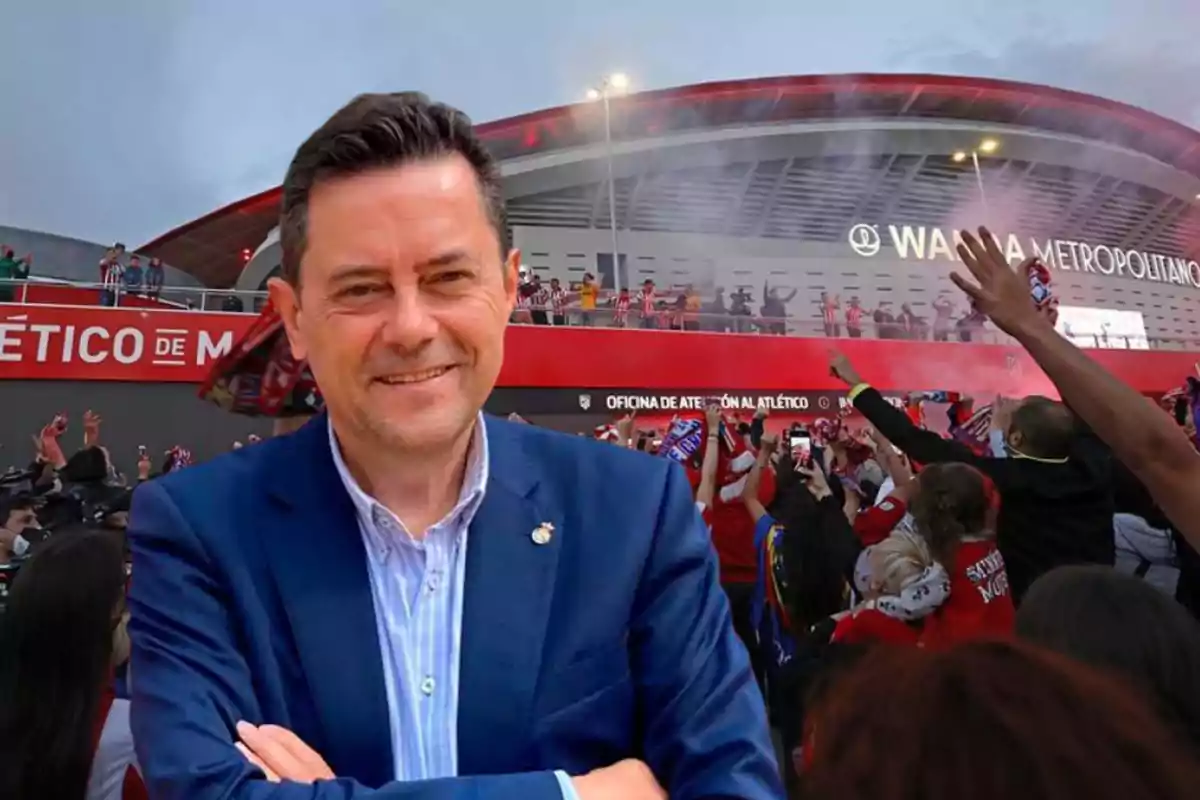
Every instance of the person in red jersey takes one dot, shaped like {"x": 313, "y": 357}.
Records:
{"x": 901, "y": 584}
{"x": 854, "y": 315}
{"x": 955, "y": 510}
{"x": 829, "y": 314}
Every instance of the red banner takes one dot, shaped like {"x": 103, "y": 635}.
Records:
{"x": 113, "y": 344}
{"x": 73, "y": 343}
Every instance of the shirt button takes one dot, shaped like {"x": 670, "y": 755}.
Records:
{"x": 432, "y": 584}
{"x": 427, "y": 686}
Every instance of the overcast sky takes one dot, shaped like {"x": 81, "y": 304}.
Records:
{"x": 124, "y": 118}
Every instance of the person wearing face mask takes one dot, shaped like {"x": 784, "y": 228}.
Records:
{"x": 65, "y": 734}
{"x": 1056, "y": 498}
{"x": 19, "y": 520}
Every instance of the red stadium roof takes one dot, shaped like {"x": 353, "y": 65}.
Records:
{"x": 211, "y": 248}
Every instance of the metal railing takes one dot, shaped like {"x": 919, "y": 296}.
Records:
{"x": 183, "y": 298}
{"x": 142, "y": 296}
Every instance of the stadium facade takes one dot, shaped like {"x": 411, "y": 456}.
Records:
{"x": 64, "y": 258}
{"x": 852, "y": 185}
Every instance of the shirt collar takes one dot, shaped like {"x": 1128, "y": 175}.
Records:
{"x": 470, "y": 497}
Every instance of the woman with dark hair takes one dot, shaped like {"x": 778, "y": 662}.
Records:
{"x": 1123, "y": 625}
{"x": 63, "y": 631}
{"x": 989, "y": 721}
{"x": 806, "y": 550}
{"x": 955, "y": 510}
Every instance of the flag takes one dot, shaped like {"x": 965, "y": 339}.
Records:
{"x": 259, "y": 377}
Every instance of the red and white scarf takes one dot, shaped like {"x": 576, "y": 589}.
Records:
{"x": 260, "y": 378}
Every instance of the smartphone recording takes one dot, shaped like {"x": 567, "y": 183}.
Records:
{"x": 801, "y": 446}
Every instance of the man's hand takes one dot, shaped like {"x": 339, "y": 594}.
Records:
{"x": 91, "y": 428}
{"x": 1002, "y": 413}
{"x": 712, "y": 418}
{"x": 281, "y": 754}
{"x": 767, "y": 444}
{"x": 143, "y": 464}
{"x": 815, "y": 481}
{"x": 626, "y": 780}
{"x": 625, "y": 427}
{"x": 841, "y": 368}
{"x": 1002, "y": 293}
{"x": 49, "y": 450}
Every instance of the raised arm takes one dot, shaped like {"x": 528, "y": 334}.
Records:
{"x": 754, "y": 479}
{"x": 706, "y": 733}
{"x": 1141, "y": 436}
{"x": 708, "y": 467}
{"x": 922, "y": 446}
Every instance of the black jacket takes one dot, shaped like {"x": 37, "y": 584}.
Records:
{"x": 1051, "y": 514}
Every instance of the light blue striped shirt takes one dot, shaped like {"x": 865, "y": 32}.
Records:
{"x": 417, "y": 588}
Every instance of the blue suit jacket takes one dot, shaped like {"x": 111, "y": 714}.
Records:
{"x": 250, "y": 600}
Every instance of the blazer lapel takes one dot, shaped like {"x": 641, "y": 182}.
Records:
{"x": 509, "y": 585}
{"x": 319, "y": 563}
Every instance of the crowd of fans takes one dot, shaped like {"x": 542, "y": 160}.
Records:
{"x": 986, "y": 610}
{"x": 1004, "y": 609}
{"x": 120, "y": 275}
{"x": 681, "y": 308}
{"x": 588, "y": 304}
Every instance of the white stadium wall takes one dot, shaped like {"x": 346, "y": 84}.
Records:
{"x": 1166, "y": 291}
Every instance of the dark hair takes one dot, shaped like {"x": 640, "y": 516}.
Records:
{"x": 89, "y": 465}
{"x": 55, "y": 655}
{"x": 951, "y": 502}
{"x": 19, "y": 501}
{"x": 1124, "y": 625}
{"x": 993, "y": 720}
{"x": 818, "y": 549}
{"x": 1047, "y": 426}
{"x": 374, "y": 131}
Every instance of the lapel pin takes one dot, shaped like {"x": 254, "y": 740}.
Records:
{"x": 542, "y": 533}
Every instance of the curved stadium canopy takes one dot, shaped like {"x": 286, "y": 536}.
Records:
{"x": 808, "y": 158}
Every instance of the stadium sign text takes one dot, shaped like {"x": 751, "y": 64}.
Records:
{"x": 619, "y": 402}
{"x": 65, "y": 343}
{"x": 919, "y": 242}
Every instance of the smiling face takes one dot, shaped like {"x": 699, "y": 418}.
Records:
{"x": 402, "y": 302}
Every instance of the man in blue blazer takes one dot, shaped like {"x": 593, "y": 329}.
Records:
{"x": 405, "y": 599}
